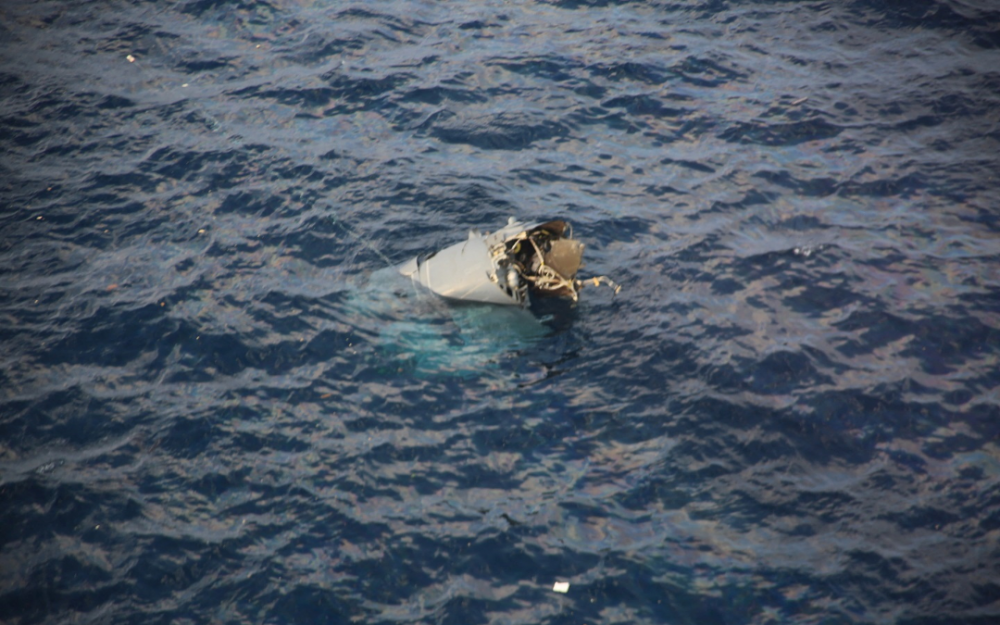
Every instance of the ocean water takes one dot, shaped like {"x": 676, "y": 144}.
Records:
{"x": 217, "y": 405}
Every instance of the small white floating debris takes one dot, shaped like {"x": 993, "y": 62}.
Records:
{"x": 562, "y": 587}
{"x": 131, "y": 59}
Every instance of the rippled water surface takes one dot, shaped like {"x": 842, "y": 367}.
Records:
{"x": 218, "y": 406}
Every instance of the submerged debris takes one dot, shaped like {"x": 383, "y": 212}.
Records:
{"x": 508, "y": 266}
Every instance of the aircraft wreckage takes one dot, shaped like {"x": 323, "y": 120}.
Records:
{"x": 509, "y": 267}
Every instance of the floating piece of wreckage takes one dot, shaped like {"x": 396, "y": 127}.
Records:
{"x": 507, "y": 266}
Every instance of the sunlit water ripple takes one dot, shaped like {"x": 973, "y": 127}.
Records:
{"x": 218, "y": 406}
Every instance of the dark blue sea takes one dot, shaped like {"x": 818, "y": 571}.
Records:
{"x": 219, "y": 405}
